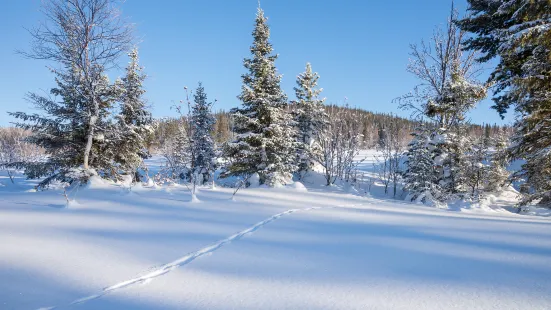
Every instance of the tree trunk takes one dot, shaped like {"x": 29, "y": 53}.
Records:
{"x": 89, "y": 140}
{"x": 10, "y": 175}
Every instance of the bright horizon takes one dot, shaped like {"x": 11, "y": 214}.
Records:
{"x": 359, "y": 49}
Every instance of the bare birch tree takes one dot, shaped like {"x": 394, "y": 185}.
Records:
{"x": 448, "y": 89}
{"x": 340, "y": 141}
{"x": 440, "y": 64}
{"x": 391, "y": 147}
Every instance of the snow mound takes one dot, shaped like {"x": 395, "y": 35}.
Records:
{"x": 254, "y": 180}
{"x": 298, "y": 186}
{"x": 126, "y": 181}
{"x": 73, "y": 204}
{"x": 96, "y": 182}
{"x": 194, "y": 199}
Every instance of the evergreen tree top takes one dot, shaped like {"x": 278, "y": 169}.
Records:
{"x": 306, "y": 86}
{"x": 261, "y": 84}
{"x": 134, "y": 72}
{"x": 133, "y": 103}
{"x": 261, "y": 34}
{"x": 200, "y": 97}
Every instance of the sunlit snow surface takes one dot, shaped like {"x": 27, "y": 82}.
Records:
{"x": 301, "y": 247}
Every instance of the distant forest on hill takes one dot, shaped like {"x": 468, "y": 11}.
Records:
{"x": 373, "y": 124}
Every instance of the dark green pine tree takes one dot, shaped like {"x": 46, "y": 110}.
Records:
{"x": 518, "y": 33}
{"x": 202, "y": 143}
{"x": 264, "y": 141}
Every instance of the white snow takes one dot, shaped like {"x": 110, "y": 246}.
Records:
{"x": 303, "y": 246}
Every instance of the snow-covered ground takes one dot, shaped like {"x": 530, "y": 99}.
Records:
{"x": 286, "y": 248}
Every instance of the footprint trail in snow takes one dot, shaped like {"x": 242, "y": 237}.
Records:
{"x": 164, "y": 269}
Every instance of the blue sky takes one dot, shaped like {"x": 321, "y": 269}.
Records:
{"x": 359, "y": 48}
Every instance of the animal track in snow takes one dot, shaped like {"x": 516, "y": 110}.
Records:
{"x": 164, "y": 269}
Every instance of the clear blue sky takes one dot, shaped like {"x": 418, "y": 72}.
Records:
{"x": 359, "y": 47}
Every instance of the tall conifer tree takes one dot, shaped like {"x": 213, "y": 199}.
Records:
{"x": 202, "y": 144}
{"x": 421, "y": 175}
{"x": 310, "y": 117}
{"x": 518, "y": 32}
{"x": 264, "y": 141}
{"x": 135, "y": 120}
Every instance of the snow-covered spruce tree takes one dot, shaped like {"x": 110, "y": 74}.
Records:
{"x": 202, "y": 144}
{"x": 447, "y": 92}
{"x": 134, "y": 121}
{"x": 62, "y": 128}
{"x": 450, "y": 159}
{"x": 83, "y": 38}
{"x": 459, "y": 95}
{"x": 264, "y": 142}
{"x": 477, "y": 170}
{"x": 310, "y": 118}
{"x": 421, "y": 176}
{"x": 518, "y": 33}
{"x": 498, "y": 174}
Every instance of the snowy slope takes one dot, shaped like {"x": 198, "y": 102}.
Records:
{"x": 269, "y": 249}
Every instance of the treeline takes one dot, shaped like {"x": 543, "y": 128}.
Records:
{"x": 373, "y": 127}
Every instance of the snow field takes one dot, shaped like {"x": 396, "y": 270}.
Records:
{"x": 298, "y": 247}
